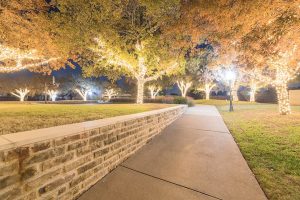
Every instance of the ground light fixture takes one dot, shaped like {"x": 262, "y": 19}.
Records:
{"x": 230, "y": 77}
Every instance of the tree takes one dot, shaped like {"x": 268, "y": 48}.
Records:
{"x": 83, "y": 87}
{"x": 154, "y": 90}
{"x": 275, "y": 45}
{"x": 239, "y": 26}
{"x": 128, "y": 42}
{"x": 33, "y": 82}
{"x": 25, "y": 39}
{"x": 21, "y": 93}
{"x": 255, "y": 78}
{"x": 200, "y": 63}
{"x": 283, "y": 75}
{"x": 208, "y": 78}
{"x": 52, "y": 94}
{"x": 144, "y": 66}
{"x": 109, "y": 93}
{"x": 184, "y": 86}
{"x": 83, "y": 92}
{"x": 17, "y": 60}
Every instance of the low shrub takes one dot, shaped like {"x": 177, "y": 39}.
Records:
{"x": 190, "y": 101}
{"x": 160, "y": 99}
{"x": 180, "y": 100}
{"x": 122, "y": 100}
{"x": 172, "y": 100}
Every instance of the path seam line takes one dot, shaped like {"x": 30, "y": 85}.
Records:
{"x": 199, "y": 129}
{"x": 169, "y": 182}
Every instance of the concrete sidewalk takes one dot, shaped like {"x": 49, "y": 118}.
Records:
{"x": 194, "y": 158}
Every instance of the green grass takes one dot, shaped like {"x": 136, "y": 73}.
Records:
{"x": 16, "y": 117}
{"x": 220, "y": 102}
{"x": 270, "y": 143}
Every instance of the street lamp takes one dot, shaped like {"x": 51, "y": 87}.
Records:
{"x": 230, "y": 77}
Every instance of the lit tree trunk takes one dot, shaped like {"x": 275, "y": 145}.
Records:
{"x": 140, "y": 91}
{"x": 235, "y": 88}
{"x": 139, "y": 71}
{"x": 208, "y": 88}
{"x": 21, "y": 93}
{"x": 154, "y": 91}
{"x": 281, "y": 83}
{"x": 83, "y": 94}
{"x": 52, "y": 94}
{"x": 253, "y": 89}
{"x": 184, "y": 87}
{"x": 252, "y": 96}
{"x": 152, "y": 94}
{"x": 283, "y": 99}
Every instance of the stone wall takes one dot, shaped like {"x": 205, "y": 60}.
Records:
{"x": 62, "y": 162}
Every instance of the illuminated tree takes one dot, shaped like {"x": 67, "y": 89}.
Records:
{"x": 52, "y": 94}
{"x": 83, "y": 87}
{"x": 83, "y": 92}
{"x": 21, "y": 93}
{"x": 154, "y": 90}
{"x": 253, "y": 89}
{"x": 144, "y": 66}
{"x": 200, "y": 67}
{"x": 275, "y": 45}
{"x": 208, "y": 78}
{"x": 16, "y": 60}
{"x": 33, "y": 82}
{"x": 128, "y": 38}
{"x": 110, "y": 92}
{"x": 26, "y": 41}
{"x": 239, "y": 26}
{"x": 255, "y": 79}
{"x": 283, "y": 74}
{"x": 184, "y": 87}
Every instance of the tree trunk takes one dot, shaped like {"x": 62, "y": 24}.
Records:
{"x": 252, "y": 96}
{"x": 207, "y": 91}
{"x": 22, "y": 98}
{"x": 140, "y": 92}
{"x": 235, "y": 89}
{"x": 183, "y": 92}
{"x": 282, "y": 77}
{"x": 85, "y": 97}
{"x": 283, "y": 99}
{"x": 152, "y": 94}
{"x": 253, "y": 89}
{"x": 53, "y": 98}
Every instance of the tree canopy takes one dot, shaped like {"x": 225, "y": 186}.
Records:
{"x": 25, "y": 32}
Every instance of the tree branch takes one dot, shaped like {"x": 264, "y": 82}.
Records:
{"x": 159, "y": 74}
{"x": 112, "y": 57}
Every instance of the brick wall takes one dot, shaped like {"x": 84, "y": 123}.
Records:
{"x": 63, "y": 162}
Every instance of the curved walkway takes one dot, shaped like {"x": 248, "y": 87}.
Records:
{"x": 194, "y": 158}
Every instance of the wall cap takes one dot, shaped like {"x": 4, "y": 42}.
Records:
{"x": 29, "y": 137}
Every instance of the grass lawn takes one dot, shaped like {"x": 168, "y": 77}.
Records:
{"x": 16, "y": 117}
{"x": 269, "y": 142}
